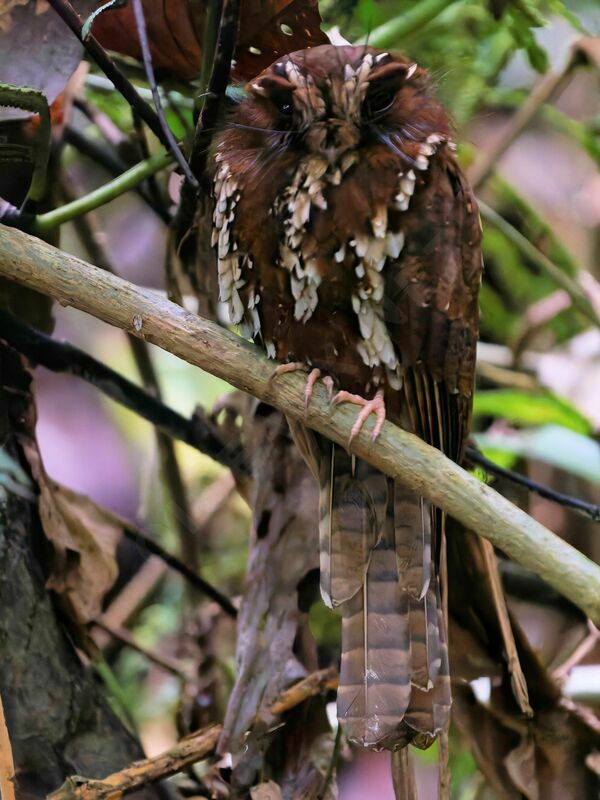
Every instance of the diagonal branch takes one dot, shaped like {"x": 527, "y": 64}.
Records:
{"x": 399, "y": 454}
{"x": 197, "y": 431}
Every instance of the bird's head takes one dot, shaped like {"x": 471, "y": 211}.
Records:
{"x": 328, "y": 101}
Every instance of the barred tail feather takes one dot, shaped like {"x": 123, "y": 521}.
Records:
{"x": 376, "y": 562}
{"x": 352, "y": 506}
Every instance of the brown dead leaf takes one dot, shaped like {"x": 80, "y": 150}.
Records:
{"x": 37, "y": 49}
{"x": 268, "y": 29}
{"x": 174, "y": 31}
{"x": 84, "y": 539}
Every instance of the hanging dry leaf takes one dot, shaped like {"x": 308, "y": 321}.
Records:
{"x": 37, "y": 49}
{"x": 267, "y": 30}
{"x": 84, "y": 539}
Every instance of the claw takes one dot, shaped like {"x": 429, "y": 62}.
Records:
{"x": 328, "y": 381}
{"x": 375, "y": 406}
{"x": 282, "y": 369}
{"x": 313, "y": 377}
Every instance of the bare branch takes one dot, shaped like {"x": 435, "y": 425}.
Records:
{"x": 140, "y": 22}
{"x": 586, "y": 509}
{"x": 197, "y": 431}
{"x": 188, "y": 751}
{"x": 399, "y": 454}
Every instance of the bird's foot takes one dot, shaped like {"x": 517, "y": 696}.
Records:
{"x": 313, "y": 377}
{"x": 375, "y": 406}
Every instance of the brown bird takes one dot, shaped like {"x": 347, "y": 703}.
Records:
{"x": 348, "y": 242}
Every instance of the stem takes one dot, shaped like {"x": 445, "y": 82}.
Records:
{"x": 586, "y": 509}
{"x": 140, "y": 21}
{"x": 571, "y": 287}
{"x": 401, "y": 455}
{"x": 394, "y": 29}
{"x": 112, "y": 162}
{"x": 104, "y": 194}
{"x": 547, "y": 87}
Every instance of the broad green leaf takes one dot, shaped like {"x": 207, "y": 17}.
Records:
{"x": 526, "y": 408}
{"x": 566, "y": 449}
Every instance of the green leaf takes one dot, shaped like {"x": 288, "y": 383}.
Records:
{"x": 563, "y": 448}
{"x": 537, "y": 56}
{"x": 525, "y": 408}
{"x": 527, "y": 9}
{"x": 560, "y": 8}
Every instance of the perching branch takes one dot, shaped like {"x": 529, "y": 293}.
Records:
{"x": 196, "y": 431}
{"x": 403, "y": 456}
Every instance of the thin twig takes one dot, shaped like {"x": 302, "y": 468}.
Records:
{"x": 399, "y": 454}
{"x": 223, "y": 49}
{"x": 7, "y": 766}
{"x": 550, "y": 85}
{"x": 111, "y": 162}
{"x": 133, "y": 596}
{"x": 93, "y": 47}
{"x": 141, "y": 140}
{"x": 109, "y": 130}
{"x": 315, "y": 683}
{"x": 140, "y": 22}
{"x": 220, "y": 35}
{"x": 44, "y": 223}
{"x": 125, "y": 637}
{"x": 188, "y": 751}
{"x": 135, "y": 535}
{"x": 586, "y": 509}
{"x": 333, "y": 762}
{"x": 541, "y": 260}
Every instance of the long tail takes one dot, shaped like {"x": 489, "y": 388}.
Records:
{"x": 377, "y": 541}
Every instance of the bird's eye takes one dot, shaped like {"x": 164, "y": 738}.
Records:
{"x": 379, "y": 102}
{"x": 285, "y": 109}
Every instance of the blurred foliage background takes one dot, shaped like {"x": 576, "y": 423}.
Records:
{"x": 537, "y": 408}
